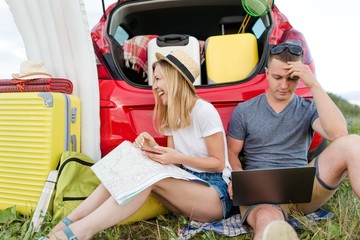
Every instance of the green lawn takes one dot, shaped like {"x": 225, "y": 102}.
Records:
{"x": 345, "y": 225}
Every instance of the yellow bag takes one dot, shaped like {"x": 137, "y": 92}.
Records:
{"x": 151, "y": 208}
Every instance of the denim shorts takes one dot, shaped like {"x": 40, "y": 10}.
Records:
{"x": 216, "y": 181}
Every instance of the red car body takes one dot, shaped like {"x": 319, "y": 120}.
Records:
{"x": 126, "y": 108}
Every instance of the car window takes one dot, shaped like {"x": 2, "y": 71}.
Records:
{"x": 121, "y": 35}
{"x": 259, "y": 28}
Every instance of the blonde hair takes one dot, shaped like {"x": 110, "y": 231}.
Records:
{"x": 177, "y": 113}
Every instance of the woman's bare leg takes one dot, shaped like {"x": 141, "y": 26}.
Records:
{"x": 106, "y": 215}
{"x": 190, "y": 199}
{"x": 96, "y": 198}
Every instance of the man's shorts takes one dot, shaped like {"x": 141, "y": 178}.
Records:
{"x": 320, "y": 194}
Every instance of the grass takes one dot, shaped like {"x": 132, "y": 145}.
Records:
{"x": 344, "y": 204}
{"x": 345, "y": 225}
{"x": 353, "y": 125}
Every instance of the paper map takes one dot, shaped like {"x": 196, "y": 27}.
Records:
{"x": 126, "y": 171}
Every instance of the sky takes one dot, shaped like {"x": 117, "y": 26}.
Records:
{"x": 330, "y": 27}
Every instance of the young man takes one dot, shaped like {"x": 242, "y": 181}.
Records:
{"x": 275, "y": 129}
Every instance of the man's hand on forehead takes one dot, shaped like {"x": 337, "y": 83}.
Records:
{"x": 298, "y": 70}
{"x": 294, "y": 69}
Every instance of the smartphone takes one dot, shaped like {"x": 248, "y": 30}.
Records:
{"x": 150, "y": 150}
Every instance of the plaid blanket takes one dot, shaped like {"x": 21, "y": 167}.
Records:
{"x": 37, "y": 85}
{"x": 232, "y": 226}
{"x": 135, "y": 52}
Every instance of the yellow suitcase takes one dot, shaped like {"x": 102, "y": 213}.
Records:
{"x": 35, "y": 128}
{"x": 230, "y": 57}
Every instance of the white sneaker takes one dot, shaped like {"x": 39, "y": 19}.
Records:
{"x": 279, "y": 230}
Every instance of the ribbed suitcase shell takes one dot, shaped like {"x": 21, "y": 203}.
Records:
{"x": 35, "y": 128}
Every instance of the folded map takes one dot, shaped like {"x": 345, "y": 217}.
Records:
{"x": 126, "y": 171}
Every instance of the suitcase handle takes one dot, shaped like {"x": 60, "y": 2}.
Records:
{"x": 172, "y": 40}
{"x": 73, "y": 143}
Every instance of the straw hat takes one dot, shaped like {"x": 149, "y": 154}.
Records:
{"x": 187, "y": 66}
{"x": 31, "y": 70}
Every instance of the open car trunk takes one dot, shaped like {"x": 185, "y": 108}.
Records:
{"x": 200, "y": 19}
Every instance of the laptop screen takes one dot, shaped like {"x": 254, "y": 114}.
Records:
{"x": 276, "y": 185}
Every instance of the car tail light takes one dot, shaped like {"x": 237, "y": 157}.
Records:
{"x": 292, "y": 35}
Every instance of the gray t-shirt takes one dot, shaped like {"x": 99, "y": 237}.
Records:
{"x": 274, "y": 139}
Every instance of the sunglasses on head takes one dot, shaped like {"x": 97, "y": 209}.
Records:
{"x": 293, "y": 49}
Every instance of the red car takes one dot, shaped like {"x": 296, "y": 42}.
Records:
{"x": 126, "y": 99}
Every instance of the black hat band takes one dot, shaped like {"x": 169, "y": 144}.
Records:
{"x": 181, "y": 66}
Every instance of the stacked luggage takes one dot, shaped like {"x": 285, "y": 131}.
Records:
{"x": 36, "y": 126}
{"x": 228, "y": 58}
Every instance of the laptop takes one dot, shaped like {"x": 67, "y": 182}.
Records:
{"x": 275, "y": 185}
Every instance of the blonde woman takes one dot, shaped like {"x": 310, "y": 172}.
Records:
{"x": 195, "y": 141}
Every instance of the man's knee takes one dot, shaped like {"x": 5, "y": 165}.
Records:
{"x": 348, "y": 143}
{"x": 342, "y": 150}
{"x": 265, "y": 213}
{"x": 348, "y": 149}
{"x": 353, "y": 141}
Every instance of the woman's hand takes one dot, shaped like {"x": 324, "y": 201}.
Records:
{"x": 167, "y": 156}
{"x": 144, "y": 139}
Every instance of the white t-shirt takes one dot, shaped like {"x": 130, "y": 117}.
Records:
{"x": 205, "y": 121}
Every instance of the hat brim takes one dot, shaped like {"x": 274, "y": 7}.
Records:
{"x": 159, "y": 57}
{"x": 31, "y": 76}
